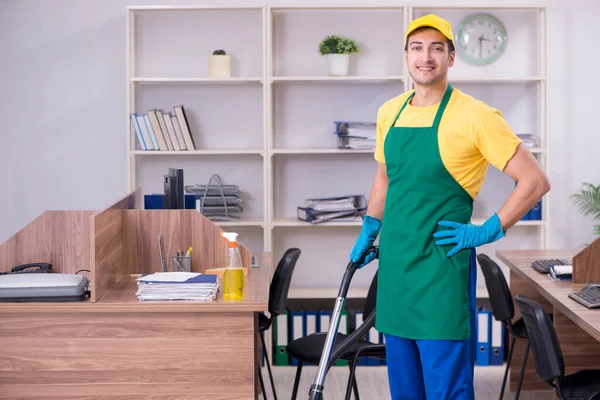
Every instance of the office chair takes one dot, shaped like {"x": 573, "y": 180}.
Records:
{"x": 549, "y": 361}
{"x": 503, "y": 310}
{"x": 278, "y": 295}
{"x": 308, "y": 349}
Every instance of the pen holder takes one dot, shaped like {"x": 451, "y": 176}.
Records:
{"x": 181, "y": 264}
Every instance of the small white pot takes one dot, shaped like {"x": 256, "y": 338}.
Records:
{"x": 219, "y": 66}
{"x": 337, "y": 64}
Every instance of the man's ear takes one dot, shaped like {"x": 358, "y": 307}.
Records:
{"x": 451, "y": 58}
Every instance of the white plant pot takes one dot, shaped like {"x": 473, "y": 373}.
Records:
{"x": 337, "y": 64}
{"x": 219, "y": 66}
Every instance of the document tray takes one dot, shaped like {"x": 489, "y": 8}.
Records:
{"x": 37, "y": 287}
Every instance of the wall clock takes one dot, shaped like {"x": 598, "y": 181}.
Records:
{"x": 480, "y": 39}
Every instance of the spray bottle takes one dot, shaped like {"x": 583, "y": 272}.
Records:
{"x": 233, "y": 279}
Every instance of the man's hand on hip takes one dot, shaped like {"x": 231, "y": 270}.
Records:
{"x": 467, "y": 236}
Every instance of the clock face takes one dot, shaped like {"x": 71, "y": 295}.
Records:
{"x": 480, "y": 39}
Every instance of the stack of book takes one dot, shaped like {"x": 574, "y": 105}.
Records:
{"x": 178, "y": 286}
{"x": 217, "y": 201}
{"x": 344, "y": 208}
{"x": 160, "y": 131}
{"x": 356, "y": 135}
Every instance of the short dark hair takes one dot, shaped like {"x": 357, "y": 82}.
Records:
{"x": 449, "y": 42}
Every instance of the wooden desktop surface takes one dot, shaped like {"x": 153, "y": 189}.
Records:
{"x": 557, "y": 293}
{"x": 121, "y": 298}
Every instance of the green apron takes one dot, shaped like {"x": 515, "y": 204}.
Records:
{"x": 422, "y": 293}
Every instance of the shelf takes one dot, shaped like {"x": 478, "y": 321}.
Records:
{"x": 349, "y": 78}
{"x": 536, "y": 150}
{"x": 243, "y": 222}
{"x": 325, "y": 293}
{"x": 194, "y": 8}
{"x": 483, "y": 79}
{"x": 357, "y": 293}
{"x": 196, "y": 79}
{"x": 281, "y": 222}
{"x": 195, "y": 152}
{"x": 321, "y": 151}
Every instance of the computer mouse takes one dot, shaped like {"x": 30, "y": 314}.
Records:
{"x": 590, "y": 286}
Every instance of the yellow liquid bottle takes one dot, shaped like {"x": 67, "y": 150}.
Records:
{"x": 233, "y": 284}
{"x": 233, "y": 278}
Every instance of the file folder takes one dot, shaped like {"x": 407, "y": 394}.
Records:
{"x": 497, "y": 343}
{"x": 483, "y": 338}
{"x": 297, "y": 329}
{"x": 535, "y": 214}
{"x": 281, "y": 340}
{"x": 375, "y": 338}
{"x": 324, "y": 321}
{"x": 343, "y": 328}
{"x": 311, "y": 322}
{"x": 358, "y": 320}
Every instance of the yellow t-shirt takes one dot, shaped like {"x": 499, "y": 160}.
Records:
{"x": 471, "y": 135}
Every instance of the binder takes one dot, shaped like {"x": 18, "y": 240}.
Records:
{"x": 358, "y": 320}
{"x": 298, "y": 330}
{"x": 343, "y": 328}
{"x": 536, "y": 212}
{"x": 483, "y": 338}
{"x": 311, "y": 318}
{"x": 280, "y": 338}
{"x": 497, "y": 342}
{"x": 375, "y": 337}
{"x": 324, "y": 321}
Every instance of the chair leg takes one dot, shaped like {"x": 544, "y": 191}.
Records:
{"x": 297, "y": 380}
{"x": 262, "y": 338}
{"x": 352, "y": 379}
{"x": 510, "y": 352}
{"x": 522, "y": 370}
{"x": 262, "y": 384}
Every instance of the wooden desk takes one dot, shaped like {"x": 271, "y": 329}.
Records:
{"x": 578, "y": 327}
{"x": 122, "y": 348}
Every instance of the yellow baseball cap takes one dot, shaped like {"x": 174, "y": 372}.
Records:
{"x": 432, "y": 21}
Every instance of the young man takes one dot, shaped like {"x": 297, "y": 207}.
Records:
{"x": 434, "y": 145}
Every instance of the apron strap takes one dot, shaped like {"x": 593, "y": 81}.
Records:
{"x": 440, "y": 111}
{"x": 442, "y": 107}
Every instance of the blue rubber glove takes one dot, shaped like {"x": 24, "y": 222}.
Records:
{"x": 467, "y": 236}
{"x": 370, "y": 229}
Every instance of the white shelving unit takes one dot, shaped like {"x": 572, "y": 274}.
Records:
{"x": 269, "y": 128}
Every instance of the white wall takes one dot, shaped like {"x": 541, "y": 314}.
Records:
{"x": 62, "y": 107}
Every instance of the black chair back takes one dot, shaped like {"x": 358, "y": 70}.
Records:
{"x": 280, "y": 284}
{"x": 371, "y": 299}
{"x": 498, "y": 290}
{"x": 549, "y": 362}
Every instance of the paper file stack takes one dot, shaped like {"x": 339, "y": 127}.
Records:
{"x": 356, "y": 135}
{"x": 344, "y": 208}
{"x": 217, "y": 201}
{"x": 178, "y": 286}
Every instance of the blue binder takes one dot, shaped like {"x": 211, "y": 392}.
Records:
{"x": 497, "y": 342}
{"x": 536, "y": 212}
{"x": 297, "y": 329}
{"x": 483, "y": 338}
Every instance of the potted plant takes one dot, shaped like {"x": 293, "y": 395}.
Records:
{"x": 337, "y": 49}
{"x": 219, "y": 64}
{"x": 588, "y": 202}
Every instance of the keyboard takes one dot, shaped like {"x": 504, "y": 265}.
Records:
{"x": 589, "y": 297}
{"x": 543, "y": 266}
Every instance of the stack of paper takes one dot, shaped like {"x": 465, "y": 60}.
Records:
{"x": 345, "y": 208}
{"x": 178, "y": 286}
{"x": 356, "y": 135}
